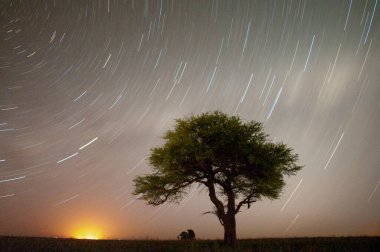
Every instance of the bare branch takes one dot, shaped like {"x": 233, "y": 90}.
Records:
{"x": 215, "y": 212}
{"x": 248, "y": 200}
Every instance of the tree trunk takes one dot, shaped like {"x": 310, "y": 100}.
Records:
{"x": 230, "y": 230}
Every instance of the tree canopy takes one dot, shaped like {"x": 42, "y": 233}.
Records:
{"x": 235, "y": 161}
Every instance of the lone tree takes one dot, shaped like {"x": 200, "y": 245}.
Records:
{"x": 234, "y": 161}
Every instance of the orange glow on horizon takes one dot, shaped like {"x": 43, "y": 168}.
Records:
{"x": 90, "y": 233}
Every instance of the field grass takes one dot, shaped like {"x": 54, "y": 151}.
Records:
{"x": 20, "y": 244}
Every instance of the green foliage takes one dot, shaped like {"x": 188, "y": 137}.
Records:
{"x": 219, "y": 152}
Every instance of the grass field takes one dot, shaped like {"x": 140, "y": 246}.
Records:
{"x": 20, "y": 244}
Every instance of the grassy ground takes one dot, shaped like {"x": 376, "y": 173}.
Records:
{"x": 20, "y": 244}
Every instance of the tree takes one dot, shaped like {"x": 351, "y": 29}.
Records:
{"x": 234, "y": 161}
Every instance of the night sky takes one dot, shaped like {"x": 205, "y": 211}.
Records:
{"x": 87, "y": 88}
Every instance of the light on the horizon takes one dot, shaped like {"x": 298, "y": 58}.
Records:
{"x": 88, "y": 233}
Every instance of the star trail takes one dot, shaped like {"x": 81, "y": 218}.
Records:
{"x": 87, "y": 88}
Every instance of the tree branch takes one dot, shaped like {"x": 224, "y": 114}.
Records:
{"x": 215, "y": 212}
{"x": 214, "y": 199}
{"x": 248, "y": 200}
{"x": 167, "y": 193}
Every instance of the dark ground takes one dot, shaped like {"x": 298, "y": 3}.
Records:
{"x": 357, "y": 244}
